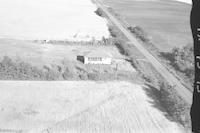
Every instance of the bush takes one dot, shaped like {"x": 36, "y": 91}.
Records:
{"x": 99, "y": 12}
{"x": 10, "y": 70}
{"x": 7, "y": 61}
{"x": 139, "y": 32}
{"x": 93, "y": 76}
{"x": 182, "y": 59}
{"x": 107, "y": 76}
{"x": 83, "y": 76}
{"x": 68, "y": 74}
{"x": 52, "y": 75}
{"x": 176, "y": 107}
{"x": 121, "y": 48}
{"x": 112, "y": 32}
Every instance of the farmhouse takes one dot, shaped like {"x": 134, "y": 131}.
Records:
{"x": 98, "y": 57}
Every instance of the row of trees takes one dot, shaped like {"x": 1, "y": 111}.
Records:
{"x": 182, "y": 59}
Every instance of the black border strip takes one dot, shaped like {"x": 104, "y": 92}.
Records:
{"x": 195, "y": 27}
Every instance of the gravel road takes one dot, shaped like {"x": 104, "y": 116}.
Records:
{"x": 169, "y": 77}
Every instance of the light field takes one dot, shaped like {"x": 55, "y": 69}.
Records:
{"x": 51, "y": 20}
{"x": 74, "y": 107}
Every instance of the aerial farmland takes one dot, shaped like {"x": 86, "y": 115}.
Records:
{"x": 66, "y": 67}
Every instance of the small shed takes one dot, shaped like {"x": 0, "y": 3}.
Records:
{"x": 98, "y": 57}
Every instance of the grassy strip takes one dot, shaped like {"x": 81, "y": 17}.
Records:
{"x": 177, "y": 109}
{"x": 19, "y": 70}
{"x": 179, "y": 61}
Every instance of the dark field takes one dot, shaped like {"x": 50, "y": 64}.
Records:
{"x": 166, "y": 22}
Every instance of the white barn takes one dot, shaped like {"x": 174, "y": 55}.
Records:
{"x": 98, "y": 57}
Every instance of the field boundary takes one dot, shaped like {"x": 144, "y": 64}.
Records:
{"x": 169, "y": 77}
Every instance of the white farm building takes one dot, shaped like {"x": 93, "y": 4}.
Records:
{"x": 98, "y": 57}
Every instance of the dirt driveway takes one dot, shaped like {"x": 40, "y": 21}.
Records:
{"x": 79, "y": 107}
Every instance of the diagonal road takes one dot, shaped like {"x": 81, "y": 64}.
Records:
{"x": 169, "y": 77}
